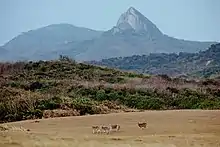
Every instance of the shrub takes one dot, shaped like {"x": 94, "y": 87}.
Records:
{"x": 33, "y": 114}
{"x": 43, "y": 68}
{"x": 86, "y": 91}
{"x": 85, "y": 106}
{"x": 207, "y": 104}
{"x": 14, "y": 117}
{"x": 132, "y": 75}
{"x": 14, "y": 84}
{"x": 35, "y": 85}
{"x": 151, "y": 103}
{"x": 49, "y": 104}
{"x": 100, "y": 95}
{"x": 189, "y": 102}
{"x": 131, "y": 101}
{"x": 3, "y": 111}
{"x": 113, "y": 96}
{"x": 172, "y": 90}
{"x": 37, "y": 113}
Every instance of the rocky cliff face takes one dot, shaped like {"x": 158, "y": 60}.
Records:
{"x": 134, "y": 20}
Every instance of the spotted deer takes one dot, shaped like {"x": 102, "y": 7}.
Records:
{"x": 106, "y": 129}
{"x": 115, "y": 127}
{"x": 96, "y": 129}
{"x": 142, "y": 125}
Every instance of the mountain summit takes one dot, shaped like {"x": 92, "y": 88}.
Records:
{"x": 133, "y": 34}
{"x": 134, "y": 20}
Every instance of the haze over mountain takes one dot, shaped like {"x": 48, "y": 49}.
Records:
{"x": 40, "y": 43}
{"x": 133, "y": 34}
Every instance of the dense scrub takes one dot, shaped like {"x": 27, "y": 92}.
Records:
{"x": 205, "y": 64}
{"x": 30, "y": 90}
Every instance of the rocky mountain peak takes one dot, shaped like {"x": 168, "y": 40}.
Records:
{"x": 133, "y": 19}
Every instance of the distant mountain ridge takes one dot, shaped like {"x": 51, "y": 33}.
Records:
{"x": 133, "y": 34}
{"x": 44, "y": 42}
{"x": 201, "y": 64}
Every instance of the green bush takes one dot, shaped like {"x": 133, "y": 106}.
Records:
{"x": 86, "y": 91}
{"x": 113, "y": 80}
{"x": 14, "y": 117}
{"x": 131, "y": 101}
{"x": 85, "y": 106}
{"x": 151, "y": 103}
{"x": 37, "y": 113}
{"x": 100, "y": 95}
{"x": 14, "y": 84}
{"x": 209, "y": 104}
{"x": 189, "y": 102}
{"x": 49, "y": 104}
{"x": 113, "y": 96}
{"x": 3, "y": 111}
{"x": 132, "y": 75}
{"x": 43, "y": 68}
{"x": 33, "y": 114}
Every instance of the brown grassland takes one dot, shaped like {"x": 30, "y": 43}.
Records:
{"x": 171, "y": 128}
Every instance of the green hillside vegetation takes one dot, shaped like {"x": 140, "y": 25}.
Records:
{"x": 204, "y": 64}
{"x": 63, "y": 87}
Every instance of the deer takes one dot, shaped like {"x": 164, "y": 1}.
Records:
{"x": 142, "y": 125}
{"x": 106, "y": 129}
{"x": 115, "y": 127}
{"x": 96, "y": 129}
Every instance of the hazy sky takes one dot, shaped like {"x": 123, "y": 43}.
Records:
{"x": 186, "y": 19}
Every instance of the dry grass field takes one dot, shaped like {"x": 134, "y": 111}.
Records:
{"x": 184, "y": 128}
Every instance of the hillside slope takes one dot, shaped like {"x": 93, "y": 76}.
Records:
{"x": 41, "y": 43}
{"x": 65, "y": 88}
{"x": 2, "y": 51}
{"x": 202, "y": 64}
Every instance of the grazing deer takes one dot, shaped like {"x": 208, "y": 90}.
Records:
{"x": 142, "y": 125}
{"x": 115, "y": 127}
{"x": 106, "y": 129}
{"x": 96, "y": 129}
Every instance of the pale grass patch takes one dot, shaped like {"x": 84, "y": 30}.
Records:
{"x": 5, "y": 127}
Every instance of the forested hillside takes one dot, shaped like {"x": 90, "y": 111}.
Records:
{"x": 202, "y": 64}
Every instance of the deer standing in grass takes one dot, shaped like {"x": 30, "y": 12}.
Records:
{"x": 115, "y": 127}
{"x": 142, "y": 125}
{"x": 106, "y": 129}
{"x": 96, "y": 129}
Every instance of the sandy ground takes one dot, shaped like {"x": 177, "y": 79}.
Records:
{"x": 165, "y": 129}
